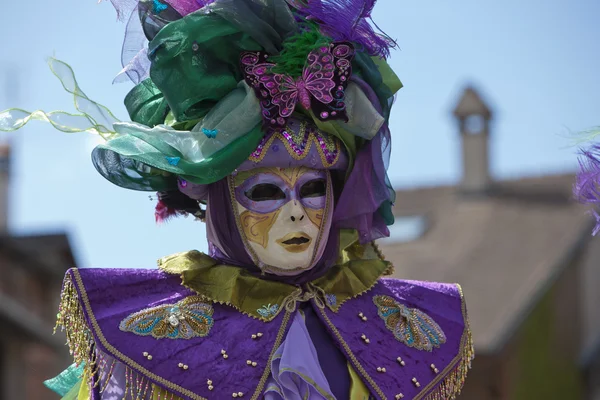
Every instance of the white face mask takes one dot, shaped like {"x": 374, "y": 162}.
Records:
{"x": 283, "y": 215}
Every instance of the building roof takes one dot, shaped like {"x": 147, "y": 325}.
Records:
{"x": 48, "y": 256}
{"x": 15, "y": 316}
{"x": 470, "y": 103}
{"x": 504, "y": 248}
{"x": 48, "y": 253}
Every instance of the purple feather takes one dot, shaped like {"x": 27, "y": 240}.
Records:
{"x": 587, "y": 183}
{"x": 347, "y": 20}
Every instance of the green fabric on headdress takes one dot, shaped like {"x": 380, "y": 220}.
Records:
{"x": 158, "y": 162}
{"x": 374, "y": 73}
{"x": 91, "y": 117}
{"x": 195, "y": 60}
{"x": 195, "y": 63}
{"x": 146, "y": 104}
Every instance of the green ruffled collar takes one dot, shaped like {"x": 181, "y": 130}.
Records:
{"x": 358, "y": 269}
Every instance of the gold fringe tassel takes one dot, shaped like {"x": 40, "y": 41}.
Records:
{"x": 71, "y": 320}
{"x": 454, "y": 381}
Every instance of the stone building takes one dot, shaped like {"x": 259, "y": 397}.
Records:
{"x": 31, "y": 272}
{"x": 529, "y": 267}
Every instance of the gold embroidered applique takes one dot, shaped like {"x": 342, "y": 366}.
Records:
{"x": 188, "y": 318}
{"x": 410, "y": 326}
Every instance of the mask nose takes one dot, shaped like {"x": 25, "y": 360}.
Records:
{"x": 296, "y": 212}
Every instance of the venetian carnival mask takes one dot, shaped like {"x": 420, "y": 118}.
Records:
{"x": 284, "y": 216}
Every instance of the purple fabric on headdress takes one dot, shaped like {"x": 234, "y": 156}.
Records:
{"x": 185, "y": 7}
{"x": 134, "y": 53}
{"x": 124, "y": 7}
{"x": 300, "y": 144}
{"x": 192, "y": 190}
{"x": 221, "y": 228}
{"x": 368, "y": 176}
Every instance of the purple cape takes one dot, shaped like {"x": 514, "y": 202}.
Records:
{"x": 404, "y": 339}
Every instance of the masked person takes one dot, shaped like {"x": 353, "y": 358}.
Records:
{"x": 268, "y": 120}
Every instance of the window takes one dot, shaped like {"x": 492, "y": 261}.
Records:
{"x": 474, "y": 124}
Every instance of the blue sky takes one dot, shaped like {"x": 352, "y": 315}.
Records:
{"x": 535, "y": 63}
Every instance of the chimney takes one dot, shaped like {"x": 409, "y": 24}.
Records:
{"x": 474, "y": 124}
{"x": 4, "y": 173}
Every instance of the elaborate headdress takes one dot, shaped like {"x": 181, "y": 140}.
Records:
{"x": 223, "y": 85}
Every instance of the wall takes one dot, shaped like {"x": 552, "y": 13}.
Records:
{"x": 543, "y": 356}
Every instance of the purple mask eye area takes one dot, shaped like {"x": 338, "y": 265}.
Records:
{"x": 265, "y": 193}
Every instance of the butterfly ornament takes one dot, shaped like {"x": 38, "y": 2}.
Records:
{"x": 321, "y": 87}
{"x": 410, "y": 326}
{"x": 186, "y": 319}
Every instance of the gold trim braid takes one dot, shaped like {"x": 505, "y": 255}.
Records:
{"x": 71, "y": 320}
{"x": 454, "y": 374}
{"x": 73, "y": 308}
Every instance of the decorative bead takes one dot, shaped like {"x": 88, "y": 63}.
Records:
{"x": 399, "y": 396}
{"x": 417, "y": 384}
{"x": 225, "y": 356}
{"x": 433, "y": 367}
{"x": 209, "y": 382}
{"x": 361, "y": 314}
{"x": 180, "y": 365}
{"x": 259, "y": 334}
{"x": 254, "y": 336}
{"x": 254, "y": 363}
{"x": 210, "y": 387}
{"x": 185, "y": 367}
{"x": 378, "y": 369}
{"x": 363, "y": 336}
{"x": 149, "y": 357}
{"x": 145, "y": 354}
{"x": 381, "y": 369}
{"x": 234, "y": 395}
{"x": 363, "y": 318}
{"x": 240, "y": 394}
{"x": 223, "y": 352}
{"x": 401, "y": 361}
{"x": 249, "y": 362}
